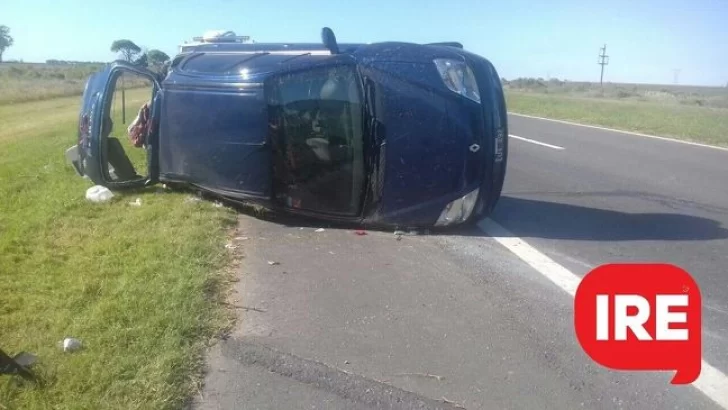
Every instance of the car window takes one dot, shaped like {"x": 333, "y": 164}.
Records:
{"x": 319, "y": 112}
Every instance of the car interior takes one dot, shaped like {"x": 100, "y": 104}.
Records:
{"x": 318, "y": 140}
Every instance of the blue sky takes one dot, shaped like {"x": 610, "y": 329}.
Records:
{"x": 646, "y": 39}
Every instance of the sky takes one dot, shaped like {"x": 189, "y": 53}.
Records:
{"x": 647, "y": 40}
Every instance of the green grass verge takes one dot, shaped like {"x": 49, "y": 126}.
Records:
{"x": 34, "y": 82}
{"x": 699, "y": 124}
{"x": 140, "y": 286}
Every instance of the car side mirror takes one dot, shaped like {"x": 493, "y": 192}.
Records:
{"x": 329, "y": 40}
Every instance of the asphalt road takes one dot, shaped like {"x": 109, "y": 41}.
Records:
{"x": 347, "y": 321}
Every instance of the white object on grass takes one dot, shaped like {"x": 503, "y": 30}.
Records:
{"x": 70, "y": 344}
{"x": 98, "y": 193}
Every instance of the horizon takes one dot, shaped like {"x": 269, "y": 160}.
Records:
{"x": 646, "y": 42}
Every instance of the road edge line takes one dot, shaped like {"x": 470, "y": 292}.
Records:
{"x": 697, "y": 144}
{"x": 543, "y": 144}
{"x": 712, "y": 382}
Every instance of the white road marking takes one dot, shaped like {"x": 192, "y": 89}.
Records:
{"x": 535, "y": 142}
{"x": 696, "y": 144}
{"x": 711, "y": 382}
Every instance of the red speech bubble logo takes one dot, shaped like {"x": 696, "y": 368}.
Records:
{"x": 641, "y": 317}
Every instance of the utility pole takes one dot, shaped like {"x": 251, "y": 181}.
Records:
{"x": 603, "y": 60}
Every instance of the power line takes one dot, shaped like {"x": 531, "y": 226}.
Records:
{"x": 603, "y": 60}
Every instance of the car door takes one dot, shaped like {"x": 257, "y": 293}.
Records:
{"x": 105, "y": 154}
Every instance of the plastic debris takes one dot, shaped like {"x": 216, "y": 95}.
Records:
{"x": 360, "y": 232}
{"x": 191, "y": 198}
{"x": 400, "y": 232}
{"x": 320, "y": 230}
{"x": 217, "y": 204}
{"x": 70, "y": 344}
{"x": 230, "y": 246}
{"x": 271, "y": 263}
{"x": 241, "y": 238}
{"x": 137, "y": 202}
{"x": 98, "y": 193}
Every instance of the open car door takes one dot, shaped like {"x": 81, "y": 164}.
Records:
{"x": 105, "y": 153}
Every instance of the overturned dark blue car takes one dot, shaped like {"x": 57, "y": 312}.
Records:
{"x": 387, "y": 134}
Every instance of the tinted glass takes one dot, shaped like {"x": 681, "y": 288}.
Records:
{"x": 217, "y": 63}
{"x": 317, "y": 120}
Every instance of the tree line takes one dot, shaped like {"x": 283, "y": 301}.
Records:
{"x": 126, "y": 49}
{"x": 132, "y": 53}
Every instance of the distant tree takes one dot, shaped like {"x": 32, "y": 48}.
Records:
{"x": 157, "y": 57}
{"x": 126, "y": 48}
{"x": 5, "y": 40}
{"x": 142, "y": 61}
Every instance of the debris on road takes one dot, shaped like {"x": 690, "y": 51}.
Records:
{"x": 70, "y": 344}
{"x": 320, "y": 230}
{"x": 137, "y": 202}
{"x": 246, "y": 308}
{"x": 456, "y": 404}
{"x": 98, "y": 193}
{"x": 399, "y": 232}
{"x": 241, "y": 238}
{"x": 230, "y": 246}
{"x": 360, "y": 232}
{"x": 271, "y": 263}
{"x": 433, "y": 376}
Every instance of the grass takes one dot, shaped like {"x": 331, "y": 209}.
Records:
{"x": 140, "y": 286}
{"x": 22, "y": 82}
{"x": 32, "y": 82}
{"x": 687, "y": 122}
